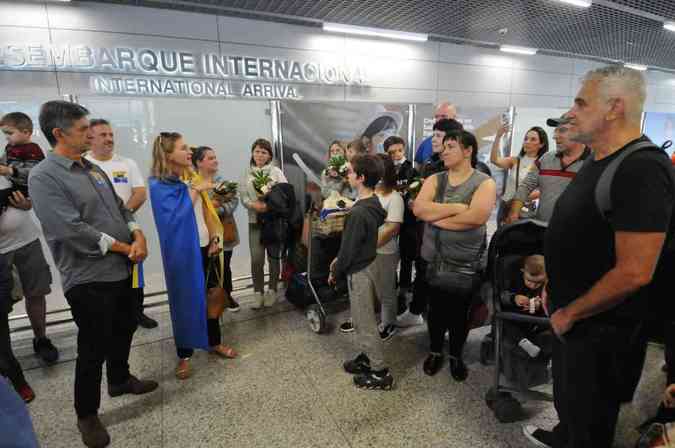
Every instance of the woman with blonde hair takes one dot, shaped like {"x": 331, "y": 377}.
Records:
{"x": 189, "y": 233}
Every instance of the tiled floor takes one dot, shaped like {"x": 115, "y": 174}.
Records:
{"x": 287, "y": 389}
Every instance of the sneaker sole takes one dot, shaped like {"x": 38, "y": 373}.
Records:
{"x": 346, "y": 331}
{"x": 234, "y": 310}
{"x": 534, "y": 441}
{"x": 385, "y": 387}
{"x": 391, "y": 335}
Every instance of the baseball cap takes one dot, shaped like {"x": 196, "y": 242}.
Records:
{"x": 555, "y": 122}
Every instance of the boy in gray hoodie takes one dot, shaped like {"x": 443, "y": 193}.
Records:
{"x": 357, "y": 252}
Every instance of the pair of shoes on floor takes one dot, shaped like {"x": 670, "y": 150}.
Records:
{"x": 538, "y": 437}
{"x": 409, "y": 319}
{"x": 365, "y": 377}
{"x": 267, "y": 299}
{"x": 132, "y": 386}
{"x": 146, "y": 322}
{"x": 45, "y": 350}
{"x": 94, "y": 434}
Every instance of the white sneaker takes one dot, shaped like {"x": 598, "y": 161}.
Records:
{"x": 409, "y": 319}
{"x": 538, "y": 437}
{"x": 270, "y": 298}
{"x": 258, "y": 301}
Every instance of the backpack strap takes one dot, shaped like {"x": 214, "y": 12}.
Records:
{"x": 603, "y": 195}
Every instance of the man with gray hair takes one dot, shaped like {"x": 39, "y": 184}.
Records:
{"x": 551, "y": 174}
{"x": 599, "y": 263}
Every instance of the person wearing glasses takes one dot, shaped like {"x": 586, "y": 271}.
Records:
{"x": 189, "y": 234}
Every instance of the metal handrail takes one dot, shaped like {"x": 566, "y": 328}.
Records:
{"x": 151, "y": 305}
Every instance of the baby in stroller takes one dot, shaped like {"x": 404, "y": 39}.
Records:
{"x": 524, "y": 296}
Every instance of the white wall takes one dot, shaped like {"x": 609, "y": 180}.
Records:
{"x": 398, "y": 72}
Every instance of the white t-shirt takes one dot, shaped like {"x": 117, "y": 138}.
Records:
{"x": 17, "y": 227}
{"x": 123, "y": 173}
{"x": 201, "y": 222}
{"x": 511, "y": 187}
{"x": 394, "y": 206}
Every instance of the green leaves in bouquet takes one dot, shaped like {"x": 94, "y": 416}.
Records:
{"x": 261, "y": 181}
{"x": 338, "y": 165}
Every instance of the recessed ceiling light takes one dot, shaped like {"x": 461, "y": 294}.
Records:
{"x": 638, "y": 67}
{"x": 376, "y": 32}
{"x": 518, "y": 50}
{"x": 582, "y": 3}
{"x": 670, "y": 26}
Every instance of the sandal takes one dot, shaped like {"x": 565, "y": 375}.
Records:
{"x": 183, "y": 370}
{"x": 224, "y": 351}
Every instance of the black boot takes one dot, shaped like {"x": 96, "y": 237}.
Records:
{"x": 458, "y": 369}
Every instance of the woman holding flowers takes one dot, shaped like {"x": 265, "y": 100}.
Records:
{"x": 225, "y": 201}
{"x": 256, "y": 183}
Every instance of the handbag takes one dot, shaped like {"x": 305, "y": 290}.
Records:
{"x": 216, "y": 297}
{"x": 229, "y": 230}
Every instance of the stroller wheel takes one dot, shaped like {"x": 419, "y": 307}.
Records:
{"x": 316, "y": 319}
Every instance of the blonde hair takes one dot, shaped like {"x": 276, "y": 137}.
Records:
{"x": 616, "y": 81}
{"x": 535, "y": 265}
{"x": 164, "y": 144}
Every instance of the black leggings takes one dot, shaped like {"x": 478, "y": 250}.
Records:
{"x": 449, "y": 310}
{"x": 212, "y": 325}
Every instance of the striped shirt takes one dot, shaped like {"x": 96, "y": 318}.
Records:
{"x": 550, "y": 177}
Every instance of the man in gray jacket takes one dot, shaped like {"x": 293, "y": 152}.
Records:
{"x": 551, "y": 174}
{"x": 94, "y": 240}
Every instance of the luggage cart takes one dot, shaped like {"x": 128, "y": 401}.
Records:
{"x": 316, "y": 313}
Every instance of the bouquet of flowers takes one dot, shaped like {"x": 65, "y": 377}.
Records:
{"x": 262, "y": 182}
{"x": 337, "y": 167}
{"x": 226, "y": 189}
{"x": 414, "y": 187}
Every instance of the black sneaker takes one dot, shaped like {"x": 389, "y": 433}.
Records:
{"x": 347, "y": 327}
{"x": 538, "y": 437}
{"x": 232, "y": 306}
{"x": 372, "y": 380}
{"x": 146, "y": 322}
{"x": 44, "y": 348}
{"x": 458, "y": 369}
{"x": 358, "y": 365}
{"x": 388, "y": 332}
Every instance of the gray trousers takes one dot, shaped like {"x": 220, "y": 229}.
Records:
{"x": 383, "y": 271}
{"x": 362, "y": 300}
{"x": 258, "y": 261}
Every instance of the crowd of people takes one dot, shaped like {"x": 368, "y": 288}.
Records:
{"x": 407, "y": 243}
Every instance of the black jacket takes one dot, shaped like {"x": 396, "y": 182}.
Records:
{"x": 5, "y": 286}
{"x": 359, "y": 237}
{"x": 281, "y": 220}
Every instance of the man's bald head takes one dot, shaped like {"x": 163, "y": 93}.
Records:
{"x": 445, "y": 111}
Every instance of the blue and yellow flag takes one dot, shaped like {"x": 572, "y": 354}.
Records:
{"x": 137, "y": 280}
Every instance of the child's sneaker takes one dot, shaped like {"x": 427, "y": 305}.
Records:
{"x": 347, "y": 326}
{"x": 358, "y": 365}
{"x": 258, "y": 301}
{"x": 381, "y": 379}
{"x": 387, "y": 332}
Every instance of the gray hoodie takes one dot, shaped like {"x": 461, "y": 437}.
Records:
{"x": 359, "y": 237}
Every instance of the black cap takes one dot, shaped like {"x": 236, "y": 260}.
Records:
{"x": 555, "y": 122}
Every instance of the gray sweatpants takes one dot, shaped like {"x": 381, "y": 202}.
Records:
{"x": 258, "y": 262}
{"x": 383, "y": 271}
{"x": 362, "y": 300}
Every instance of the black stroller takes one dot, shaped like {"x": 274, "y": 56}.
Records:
{"x": 510, "y": 244}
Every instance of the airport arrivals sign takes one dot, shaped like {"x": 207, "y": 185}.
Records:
{"x": 151, "y": 72}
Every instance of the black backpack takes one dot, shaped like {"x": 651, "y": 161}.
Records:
{"x": 661, "y": 306}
